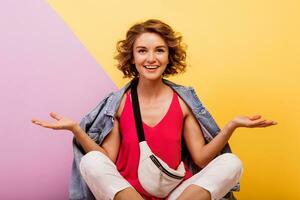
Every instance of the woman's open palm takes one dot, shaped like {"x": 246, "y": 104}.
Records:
{"x": 60, "y": 123}
{"x": 252, "y": 122}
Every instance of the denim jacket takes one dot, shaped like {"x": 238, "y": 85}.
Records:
{"x": 99, "y": 122}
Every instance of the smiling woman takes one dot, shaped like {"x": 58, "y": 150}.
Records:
{"x": 153, "y": 139}
{"x": 150, "y": 53}
{"x": 168, "y": 43}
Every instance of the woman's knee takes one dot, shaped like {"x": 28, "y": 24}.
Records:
{"x": 95, "y": 163}
{"x": 233, "y": 164}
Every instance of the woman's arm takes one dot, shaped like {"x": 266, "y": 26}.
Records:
{"x": 202, "y": 153}
{"x": 110, "y": 146}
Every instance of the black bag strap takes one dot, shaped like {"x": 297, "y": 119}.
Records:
{"x": 136, "y": 110}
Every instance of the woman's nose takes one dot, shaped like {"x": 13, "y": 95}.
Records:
{"x": 151, "y": 57}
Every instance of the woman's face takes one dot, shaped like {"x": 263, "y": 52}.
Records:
{"x": 150, "y": 55}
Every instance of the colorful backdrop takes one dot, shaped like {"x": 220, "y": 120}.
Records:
{"x": 58, "y": 56}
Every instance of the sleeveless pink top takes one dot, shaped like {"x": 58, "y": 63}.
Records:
{"x": 164, "y": 139}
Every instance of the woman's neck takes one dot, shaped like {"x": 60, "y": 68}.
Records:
{"x": 150, "y": 89}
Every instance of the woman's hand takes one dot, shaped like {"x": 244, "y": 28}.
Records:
{"x": 61, "y": 123}
{"x": 251, "y": 122}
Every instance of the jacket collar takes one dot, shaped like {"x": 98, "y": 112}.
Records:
{"x": 114, "y": 99}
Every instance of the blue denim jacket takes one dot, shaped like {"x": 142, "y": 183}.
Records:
{"x": 99, "y": 122}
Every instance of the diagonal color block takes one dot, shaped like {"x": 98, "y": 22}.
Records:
{"x": 44, "y": 68}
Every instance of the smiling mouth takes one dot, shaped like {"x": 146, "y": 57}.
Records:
{"x": 151, "y": 67}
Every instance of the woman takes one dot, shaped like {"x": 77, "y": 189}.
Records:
{"x": 176, "y": 126}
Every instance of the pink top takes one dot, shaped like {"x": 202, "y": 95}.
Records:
{"x": 164, "y": 139}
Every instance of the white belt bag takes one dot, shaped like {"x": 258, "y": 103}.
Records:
{"x": 155, "y": 176}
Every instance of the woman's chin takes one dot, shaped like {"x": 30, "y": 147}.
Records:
{"x": 151, "y": 77}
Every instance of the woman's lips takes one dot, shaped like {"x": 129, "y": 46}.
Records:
{"x": 151, "y": 66}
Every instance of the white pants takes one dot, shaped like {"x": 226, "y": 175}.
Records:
{"x": 104, "y": 180}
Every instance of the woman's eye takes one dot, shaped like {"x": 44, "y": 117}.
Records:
{"x": 141, "y": 51}
{"x": 160, "y": 50}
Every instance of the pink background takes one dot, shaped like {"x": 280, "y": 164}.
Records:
{"x": 44, "y": 68}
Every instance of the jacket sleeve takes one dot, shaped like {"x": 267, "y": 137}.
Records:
{"x": 78, "y": 189}
{"x": 207, "y": 122}
{"x": 88, "y": 121}
{"x": 211, "y": 129}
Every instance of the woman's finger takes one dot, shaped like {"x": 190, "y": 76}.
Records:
{"x": 255, "y": 117}
{"x": 43, "y": 123}
{"x": 36, "y": 121}
{"x": 264, "y": 125}
{"x": 261, "y": 121}
{"x": 55, "y": 116}
{"x": 258, "y": 122}
{"x": 267, "y": 123}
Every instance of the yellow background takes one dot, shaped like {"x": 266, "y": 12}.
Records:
{"x": 243, "y": 59}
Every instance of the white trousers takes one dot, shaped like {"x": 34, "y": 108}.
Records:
{"x": 104, "y": 180}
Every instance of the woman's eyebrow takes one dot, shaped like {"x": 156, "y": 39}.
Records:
{"x": 160, "y": 46}
{"x": 141, "y": 47}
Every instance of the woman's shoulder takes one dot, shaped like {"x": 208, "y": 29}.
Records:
{"x": 184, "y": 107}
{"x": 177, "y": 86}
{"x": 122, "y": 104}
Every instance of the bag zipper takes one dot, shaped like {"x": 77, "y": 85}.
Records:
{"x": 157, "y": 163}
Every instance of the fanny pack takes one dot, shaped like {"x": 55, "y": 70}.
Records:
{"x": 155, "y": 176}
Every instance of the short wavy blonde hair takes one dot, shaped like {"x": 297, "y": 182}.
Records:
{"x": 177, "y": 50}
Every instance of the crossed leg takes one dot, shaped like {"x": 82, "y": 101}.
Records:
{"x": 211, "y": 183}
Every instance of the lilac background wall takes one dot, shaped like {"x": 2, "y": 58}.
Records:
{"x": 44, "y": 68}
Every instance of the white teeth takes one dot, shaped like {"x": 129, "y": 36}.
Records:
{"x": 151, "y": 67}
